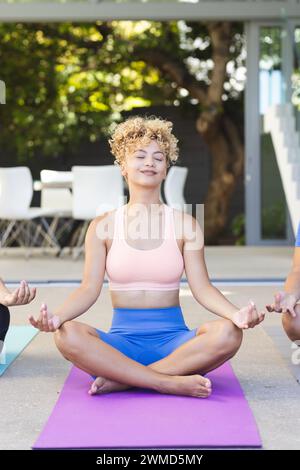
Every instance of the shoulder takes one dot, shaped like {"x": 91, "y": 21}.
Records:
{"x": 189, "y": 228}
{"x": 101, "y": 227}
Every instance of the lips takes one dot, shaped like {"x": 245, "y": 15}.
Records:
{"x": 149, "y": 173}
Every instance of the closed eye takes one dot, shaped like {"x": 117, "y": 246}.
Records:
{"x": 142, "y": 156}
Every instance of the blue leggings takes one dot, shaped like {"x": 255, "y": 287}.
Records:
{"x": 147, "y": 334}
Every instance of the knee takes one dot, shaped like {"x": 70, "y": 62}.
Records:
{"x": 229, "y": 337}
{"x": 67, "y": 339}
{"x": 291, "y": 326}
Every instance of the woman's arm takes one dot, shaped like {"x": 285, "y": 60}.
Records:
{"x": 80, "y": 300}
{"x": 202, "y": 289}
{"x": 89, "y": 290}
{"x": 292, "y": 283}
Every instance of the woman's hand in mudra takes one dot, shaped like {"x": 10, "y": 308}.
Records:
{"x": 46, "y": 321}
{"x": 21, "y": 296}
{"x": 247, "y": 317}
{"x": 284, "y": 302}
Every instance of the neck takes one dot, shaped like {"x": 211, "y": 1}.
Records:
{"x": 149, "y": 199}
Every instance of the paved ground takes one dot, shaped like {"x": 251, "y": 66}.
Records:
{"x": 30, "y": 387}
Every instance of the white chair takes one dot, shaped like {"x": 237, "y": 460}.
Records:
{"x": 58, "y": 199}
{"x": 16, "y": 190}
{"x": 96, "y": 189}
{"x": 174, "y": 187}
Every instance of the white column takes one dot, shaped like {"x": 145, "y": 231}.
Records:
{"x": 252, "y": 133}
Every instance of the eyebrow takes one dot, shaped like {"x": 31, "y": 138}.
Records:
{"x": 141, "y": 150}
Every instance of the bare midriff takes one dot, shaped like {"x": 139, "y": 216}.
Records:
{"x": 144, "y": 298}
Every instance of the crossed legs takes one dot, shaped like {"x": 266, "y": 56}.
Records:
{"x": 177, "y": 373}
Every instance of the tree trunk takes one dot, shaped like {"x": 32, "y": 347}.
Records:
{"x": 221, "y": 136}
{"x": 227, "y": 153}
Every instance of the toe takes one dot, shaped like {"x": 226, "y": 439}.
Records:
{"x": 95, "y": 386}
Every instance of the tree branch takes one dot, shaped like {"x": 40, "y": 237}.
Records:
{"x": 175, "y": 70}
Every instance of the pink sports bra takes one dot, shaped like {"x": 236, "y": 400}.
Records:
{"x": 130, "y": 268}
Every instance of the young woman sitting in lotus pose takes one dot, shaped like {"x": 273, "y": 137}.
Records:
{"x": 148, "y": 344}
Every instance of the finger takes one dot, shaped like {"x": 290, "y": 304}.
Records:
{"x": 292, "y": 312}
{"x": 42, "y": 310}
{"x": 45, "y": 319}
{"x": 32, "y": 294}
{"x": 255, "y": 317}
{"x": 289, "y": 311}
{"x": 252, "y": 315}
{"x": 278, "y": 299}
{"x": 51, "y": 325}
{"x": 27, "y": 294}
{"x": 261, "y": 317}
{"x": 33, "y": 321}
{"x": 276, "y": 309}
{"x": 14, "y": 296}
{"x": 40, "y": 319}
{"x": 40, "y": 323}
{"x": 21, "y": 292}
{"x": 249, "y": 314}
{"x": 56, "y": 322}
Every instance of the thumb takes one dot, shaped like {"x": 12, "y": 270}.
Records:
{"x": 292, "y": 312}
{"x": 56, "y": 321}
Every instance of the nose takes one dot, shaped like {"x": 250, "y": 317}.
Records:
{"x": 149, "y": 162}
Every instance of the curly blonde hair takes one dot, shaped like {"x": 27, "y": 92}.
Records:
{"x": 140, "y": 130}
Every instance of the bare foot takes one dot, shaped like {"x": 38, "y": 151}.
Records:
{"x": 104, "y": 385}
{"x": 191, "y": 385}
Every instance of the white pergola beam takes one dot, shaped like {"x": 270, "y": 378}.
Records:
{"x": 159, "y": 11}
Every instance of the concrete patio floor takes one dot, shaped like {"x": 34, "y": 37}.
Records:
{"x": 30, "y": 386}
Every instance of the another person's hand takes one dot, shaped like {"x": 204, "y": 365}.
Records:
{"x": 21, "y": 296}
{"x": 46, "y": 321}
{"x": 283, "y": 303}
{"x": 247, "y": 317}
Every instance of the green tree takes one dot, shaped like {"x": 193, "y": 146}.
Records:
{"x": 67, "y": 82}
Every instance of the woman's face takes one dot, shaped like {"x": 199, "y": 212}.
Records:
{"x": 146, "y": 165}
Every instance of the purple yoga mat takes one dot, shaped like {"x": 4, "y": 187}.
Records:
{"x": 141, "y": 417}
